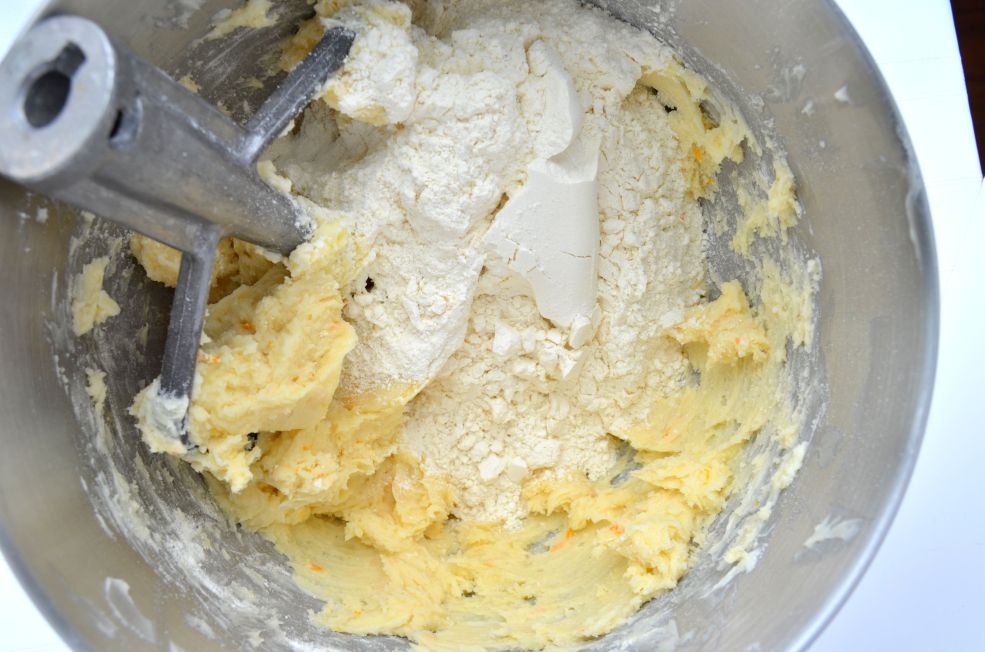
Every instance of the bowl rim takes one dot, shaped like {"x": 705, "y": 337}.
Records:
{"x": 922, "y": 235}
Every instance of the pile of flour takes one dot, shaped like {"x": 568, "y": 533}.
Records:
{"x": 430, "y": 134}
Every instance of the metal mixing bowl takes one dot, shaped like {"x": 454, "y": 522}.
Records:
{"x": 103, "y": 535}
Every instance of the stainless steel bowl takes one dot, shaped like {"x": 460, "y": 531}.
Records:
{"x": 67, "y": 506}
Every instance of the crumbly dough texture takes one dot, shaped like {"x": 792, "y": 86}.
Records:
{"x": 293, "y": 447}
{"x": 91, "y": 304}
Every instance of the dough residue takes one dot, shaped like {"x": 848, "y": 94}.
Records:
{"x": 833, "y": 527}
{"x": 91, "y": 304}
{"x": 433, "y": 408}
{"x": 253, "y": 14}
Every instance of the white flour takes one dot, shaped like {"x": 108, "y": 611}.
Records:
{"x": 505, "y": 393}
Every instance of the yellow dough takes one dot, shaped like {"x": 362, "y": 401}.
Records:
{"x": 237, "y": 263}
{"x": 318, "y": 468}
{"x": 253, "y": 14}
{"x": 385, "y": 558}
{"x": 91, "y": 304}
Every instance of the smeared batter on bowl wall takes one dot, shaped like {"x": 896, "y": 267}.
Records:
{"x": 456, "y": 430}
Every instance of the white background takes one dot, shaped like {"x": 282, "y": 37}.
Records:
{"x": 926, "y": 588}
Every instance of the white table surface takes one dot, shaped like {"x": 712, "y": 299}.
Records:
{"x": 926, "y": 588}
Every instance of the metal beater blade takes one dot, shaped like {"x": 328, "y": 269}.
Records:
{"x": 85, "y": 121}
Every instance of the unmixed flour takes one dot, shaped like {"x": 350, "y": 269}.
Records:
{"x": 505, "y": 393}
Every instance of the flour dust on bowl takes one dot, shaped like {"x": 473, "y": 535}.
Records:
{"x": 588, "y": 286}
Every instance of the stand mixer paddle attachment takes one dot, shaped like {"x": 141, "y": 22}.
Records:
{"x": 85, "y": 121}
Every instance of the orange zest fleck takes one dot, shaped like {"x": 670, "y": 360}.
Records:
{"x": 617, "y": 529}
{"x": 247, "y": 326}
{"x": 315, "y": 567}
{"x": 564, "y": 540}
{"x": 207, "y": 358}
{"x": 696, "y": 152}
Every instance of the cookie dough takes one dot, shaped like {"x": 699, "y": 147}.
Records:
{"x": 91, "y": 304}
{"x": 303, "y": 438}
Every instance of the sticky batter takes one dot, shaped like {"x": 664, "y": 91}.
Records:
{"x": 304, "y": 438}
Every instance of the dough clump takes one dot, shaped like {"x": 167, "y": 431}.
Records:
{"x": 390, "y": 406}
{"x": 91, "y": 304}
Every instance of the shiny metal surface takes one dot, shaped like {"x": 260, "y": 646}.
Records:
{"x": 865, "y": 216}
{"x": 85, "y": 121}
{"x": 130, "y": 144}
